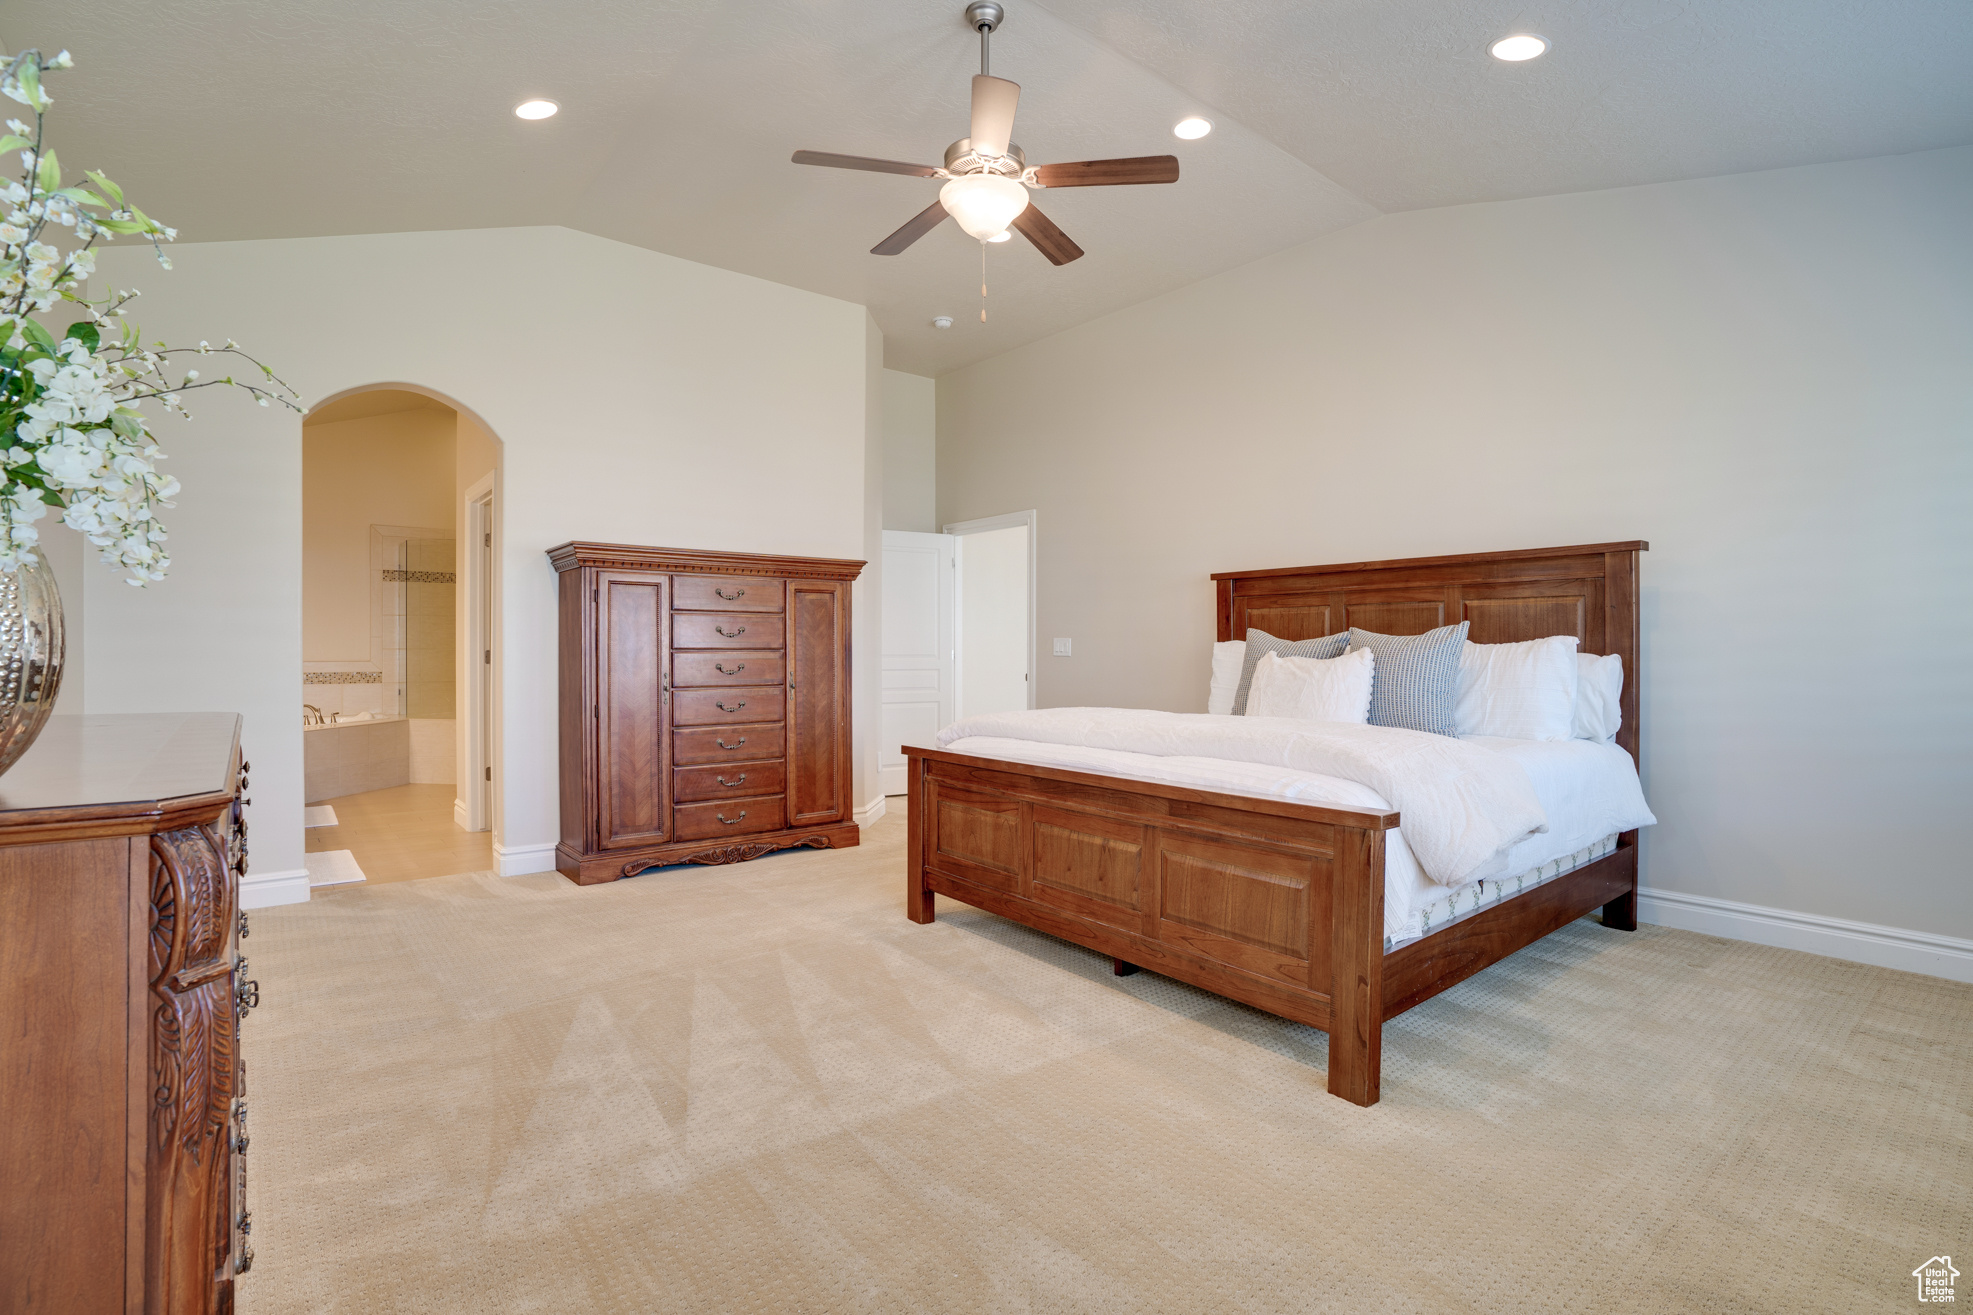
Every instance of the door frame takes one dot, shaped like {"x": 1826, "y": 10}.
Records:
{"x": 474, "y": 809}
{"x": 979, "y": 526}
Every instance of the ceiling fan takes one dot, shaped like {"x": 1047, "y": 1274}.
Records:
{"x": 987, "y": 177}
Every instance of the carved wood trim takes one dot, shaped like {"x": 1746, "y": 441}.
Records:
{"x": 739, "y": 853}
{"x": 630, "y": 557}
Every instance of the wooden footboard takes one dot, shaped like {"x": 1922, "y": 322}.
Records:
{"x": 1275, "y": 904}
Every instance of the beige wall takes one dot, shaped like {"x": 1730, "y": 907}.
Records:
{"x": 1769, "y": 376}
{"x": 390, "y": 469}
{"x": 910, "y": 418}
{"x": 724, "y": 412}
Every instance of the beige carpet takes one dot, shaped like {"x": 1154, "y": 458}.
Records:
{"x": 758, "y": 1088}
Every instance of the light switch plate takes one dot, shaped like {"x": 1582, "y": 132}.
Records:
{"x": 1062, "y": 648}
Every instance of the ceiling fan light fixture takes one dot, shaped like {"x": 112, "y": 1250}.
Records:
{"x": 536, "y": 109}
{"x": 1002, "y": 236}
{"x": 1521, "y": 46}
{"x": 983, "y": 204}
{"x": 1192, "y": 129}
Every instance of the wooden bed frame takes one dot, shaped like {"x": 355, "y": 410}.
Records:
{"x": 1276, "y": 904}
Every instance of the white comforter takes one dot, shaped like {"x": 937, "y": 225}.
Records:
{"x": 1464, "y": 807}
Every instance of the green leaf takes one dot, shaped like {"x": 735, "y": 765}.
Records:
{"x": 128, "y": 424}
{"x": 13, "y": 142}
{"x": 82, "y": 195}
{"x": 30, "y": 80}
{"x": 122, "y": 225}
{"x": 85, "y": 332}
{"x": 37, "y": 335}
{"x": 110, "y": 189}
{"x": 51, "y": 173}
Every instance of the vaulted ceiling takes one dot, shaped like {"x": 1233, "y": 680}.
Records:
{"x": 272, "y": 118}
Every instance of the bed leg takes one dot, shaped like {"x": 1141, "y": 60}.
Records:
{"x": 1122, "y": 969}
{"x": 918, "y": 901}
{"x": 1356, "y": 964}
{"x": 1620, "y": 913}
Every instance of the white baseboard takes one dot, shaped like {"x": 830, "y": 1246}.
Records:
{"x": 264, "y": 890}
{"x": 870, "y": 812}
{"x": 1839, "y": 938}
{"x": 460, "y": 817}
{"x": 520, "y": 860}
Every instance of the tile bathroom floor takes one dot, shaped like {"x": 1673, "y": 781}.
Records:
{"x": 402, "y": 834}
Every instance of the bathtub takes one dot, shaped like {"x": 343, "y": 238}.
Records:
{"x": 361, "y": 751}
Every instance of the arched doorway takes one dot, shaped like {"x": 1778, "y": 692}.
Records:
{"x": 399, "y": 624}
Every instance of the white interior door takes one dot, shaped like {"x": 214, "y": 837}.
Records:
{"x": 918, "y": 647}
{"x": 995, "y": 630}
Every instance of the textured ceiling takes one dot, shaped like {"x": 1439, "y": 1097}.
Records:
{"x": 271, "y": 118}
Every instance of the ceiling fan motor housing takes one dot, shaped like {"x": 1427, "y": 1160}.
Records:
{"x": 984, "y": 15}
{"x": 960, "y": 159}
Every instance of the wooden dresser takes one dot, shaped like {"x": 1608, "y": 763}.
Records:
{"x": 123, "y": 1139}
{"x": 705, "y": 707}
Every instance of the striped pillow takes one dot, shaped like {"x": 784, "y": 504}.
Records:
{"x": 1416, "y": 682}
{"x": 1260, "y": 642}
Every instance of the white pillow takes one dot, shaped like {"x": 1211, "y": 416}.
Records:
{"x": 1599, "y": 696}
{"x": 1227, "y": 658}
{"x": 1313, "y": 689}
{"x": 1523, "y": 691}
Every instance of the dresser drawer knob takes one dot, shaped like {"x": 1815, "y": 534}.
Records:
{"x": 735, "y": 708}
{"x": 240, "y": 1142}
{"x": 246, "y": 1260}
{"x": 741, "y": 779}
{"x": 733, "y": 597}
{"x": 736, "y": 744}
{"x": 732, "y": 821}
{"x": 737, "y": 669}
{"x": 728, "y": 634}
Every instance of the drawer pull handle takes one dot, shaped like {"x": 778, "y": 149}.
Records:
{"x": 735, "y": 708}
{"x": 240, "y": 1144}
{"x": 741, "y": 779}
{"x": 724, "y": 745}
{"x": 247, "y": 995}
{"x": 738, "y": 668}
{"x": 246, "y": 1221}
{"x": 732, "y": 821}
{"x": 246, "y": 1260}
{"x": 728, "y": 634}
{"x": 733, "y": 597}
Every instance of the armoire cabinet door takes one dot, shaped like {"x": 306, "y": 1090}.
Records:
{"x": 818, "y": 702}
{"x": 632, "y": 697}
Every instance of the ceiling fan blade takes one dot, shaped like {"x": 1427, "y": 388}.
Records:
{"x": 920, "y": 224}
{"x": 994, "y": 100}
{"x": 1049, "y": 240}
{"x": 1109, "y": 173}
{"x": 829, "y": 161}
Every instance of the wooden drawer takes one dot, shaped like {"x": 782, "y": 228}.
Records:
{"x": 726, "y": 744}
{"x": 725, "y": 593}
{"x": 693, "y": 783}
{"x": 689, "y": 669}
{"x": 725, "y": 630}
{"x": 732, "y": 817}
{"x": 727, "y": 707}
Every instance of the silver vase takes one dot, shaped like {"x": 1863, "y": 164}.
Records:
{"x": 30, "y": 654}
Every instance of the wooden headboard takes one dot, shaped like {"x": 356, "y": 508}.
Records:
{"x": 1589, "y": 591}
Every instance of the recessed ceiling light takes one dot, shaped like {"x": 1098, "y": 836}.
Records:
{"x": 1516, "y": 48}
{"x": 536, "y": 109}
{"x": 1001, "y": 236}
{"x": 1192, "y": 129}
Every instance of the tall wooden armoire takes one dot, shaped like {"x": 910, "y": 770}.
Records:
{"x": 705, "y": 707}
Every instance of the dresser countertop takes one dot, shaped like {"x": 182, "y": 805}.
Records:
{"x": 96, "y": 760}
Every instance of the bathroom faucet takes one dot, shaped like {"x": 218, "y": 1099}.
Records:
{"x": 316, "y": 720}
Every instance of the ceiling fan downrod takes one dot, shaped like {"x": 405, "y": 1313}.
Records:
{"x": 984, "y": 16}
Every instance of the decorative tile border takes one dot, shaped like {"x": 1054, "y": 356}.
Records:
{"x": 395, "y": 576}
{"x": 342, "y": 677}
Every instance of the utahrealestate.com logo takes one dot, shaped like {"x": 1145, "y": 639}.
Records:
{"x": 1935, "y": 1278}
